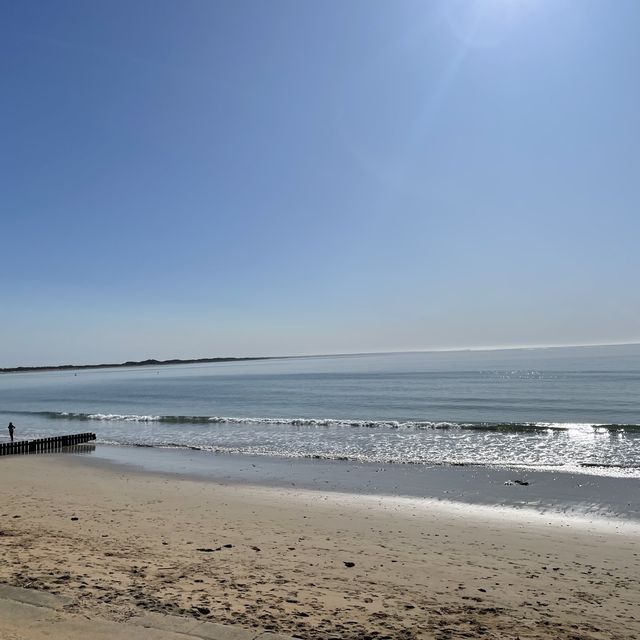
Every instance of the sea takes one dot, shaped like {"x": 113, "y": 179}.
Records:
{"x": 571, "y": 408}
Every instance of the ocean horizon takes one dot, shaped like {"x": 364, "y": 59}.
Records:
{"x": 153, "y": 361}
{"x": 573, "y": 408}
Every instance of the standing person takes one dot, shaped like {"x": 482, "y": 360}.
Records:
{"x": 11, "y": 430}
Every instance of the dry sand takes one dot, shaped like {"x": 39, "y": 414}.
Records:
{"x": 120, "y": 543}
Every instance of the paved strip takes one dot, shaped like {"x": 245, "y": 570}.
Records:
{"x": 26, "y": 614}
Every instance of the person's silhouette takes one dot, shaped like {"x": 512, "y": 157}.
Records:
{"x": 11, "y": 430}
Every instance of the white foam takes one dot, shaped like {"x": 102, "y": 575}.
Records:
{"x": 122, "y": 418}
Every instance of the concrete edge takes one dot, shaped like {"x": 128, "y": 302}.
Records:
{"x": 188, "y": 627}
{"x": 204, "y": 630}
{"x": 33, "y": 597}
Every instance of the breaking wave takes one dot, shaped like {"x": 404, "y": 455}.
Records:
{"x": 339, "y": 423}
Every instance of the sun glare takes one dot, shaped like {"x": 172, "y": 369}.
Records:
{"x": 485, "y": 22}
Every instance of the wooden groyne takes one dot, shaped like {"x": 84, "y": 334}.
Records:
{"x": 45, "y": 445}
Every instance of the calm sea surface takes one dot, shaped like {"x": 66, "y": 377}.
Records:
{"x": 578, "y": 408}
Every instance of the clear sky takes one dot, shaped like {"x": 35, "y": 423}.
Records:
{"x": 195, "y": 178}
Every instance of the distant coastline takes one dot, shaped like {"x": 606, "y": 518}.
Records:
{"x": 131, "y": 363}
{"x": 151, "y": 362}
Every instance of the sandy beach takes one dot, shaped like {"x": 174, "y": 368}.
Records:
{"x": 120, "y": 543}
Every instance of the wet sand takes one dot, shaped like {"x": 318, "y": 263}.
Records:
{"x": 119, "y": 542}
{"x": 546, "y": 490}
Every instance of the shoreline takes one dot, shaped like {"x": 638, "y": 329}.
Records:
{"x": 122, "y": 543}
{"x": 517, "y": 514}
{"x": 453, "y": 350}
{"x": 132, "y": 364}
{"x": 549, "y": 492}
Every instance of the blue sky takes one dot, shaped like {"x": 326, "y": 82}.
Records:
{"x": 198, "y": 178}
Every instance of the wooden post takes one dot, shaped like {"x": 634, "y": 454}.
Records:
{"x": 45, "y": 445}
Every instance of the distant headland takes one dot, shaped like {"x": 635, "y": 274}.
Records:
{"x": 131, "y": 363}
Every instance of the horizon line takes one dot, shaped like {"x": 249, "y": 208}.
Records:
{"x": 481, "y": 348}
{"x": 167, "y": 361}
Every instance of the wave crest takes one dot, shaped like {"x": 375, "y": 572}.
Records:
{"x": 340, "y": 423}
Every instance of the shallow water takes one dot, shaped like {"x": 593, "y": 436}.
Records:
{"x": 569, "y": 407}
{"x": 545, "y": 491}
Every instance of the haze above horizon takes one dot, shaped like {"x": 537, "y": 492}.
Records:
{"x": 246, "y": 178}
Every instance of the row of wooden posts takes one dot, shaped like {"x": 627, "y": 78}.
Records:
{"x": 45, "y": 445}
